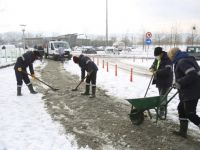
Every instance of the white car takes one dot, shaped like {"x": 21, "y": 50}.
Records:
{"x": 112, "y": 50}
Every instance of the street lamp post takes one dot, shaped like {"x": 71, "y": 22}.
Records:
{"x": 106, "y": 22}
{"x": 193, "y": 29}
{"x": 23, "y": 30}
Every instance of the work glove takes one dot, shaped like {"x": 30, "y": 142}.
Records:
{"x": 176, "y": 85}
{"x": 19, "y": 69}
{"x": 33, "y": 76}
{"x": 152, "y": 71}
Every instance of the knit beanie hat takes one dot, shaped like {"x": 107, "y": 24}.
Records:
{"x": 75, "y": 59}
{"x": 172, "y": 52}
{"x": 157, "y": 51}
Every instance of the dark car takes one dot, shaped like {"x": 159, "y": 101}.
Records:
{"x": 89, "y": 51}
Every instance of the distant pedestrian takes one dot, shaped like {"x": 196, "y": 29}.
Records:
{"x": 86, "y": 64}
{"x": 24, "y": 61}
{"x": 61, "y": 53}
{"x": 163, "y": 75}
{"x": 187, "y": 82}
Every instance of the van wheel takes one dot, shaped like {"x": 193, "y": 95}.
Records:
{"x": 54, "y": 57}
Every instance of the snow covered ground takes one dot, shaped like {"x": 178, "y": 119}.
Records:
{"x": 121, "y": 87}
{"x": 24, "y": 122}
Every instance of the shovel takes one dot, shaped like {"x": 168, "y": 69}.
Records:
{"x": 149, "y": 113}
{"x": 54, "y": 89}
{"x": 76, "y": 88}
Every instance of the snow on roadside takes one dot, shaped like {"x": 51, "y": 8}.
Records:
{"x": 24, "y": 122}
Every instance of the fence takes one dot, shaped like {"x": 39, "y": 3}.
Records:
{"x": 9, "y": 56}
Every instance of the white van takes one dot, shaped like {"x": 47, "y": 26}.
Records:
{"x": 52, "y": 49}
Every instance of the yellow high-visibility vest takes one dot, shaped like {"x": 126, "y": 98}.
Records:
{"x": 158, "y": 64}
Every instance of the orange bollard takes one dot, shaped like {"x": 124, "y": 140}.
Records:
{"x": 103, "y": 64}
{"x": 115, "y": 70}
{"x": 97, "y": 61}
{"x": 107, "y": 66}
{"x": 131, "y": 76}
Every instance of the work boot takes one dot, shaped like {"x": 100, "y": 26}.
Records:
{"x": 162, "y": 112}
{"x": 183, "y": 129}
{"x": 87, "y": 90}
{"x": 93, "y": 92}
{"x": 32, "y": 91}
{"x": 19, "y": 91}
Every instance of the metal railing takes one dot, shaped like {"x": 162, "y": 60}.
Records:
{"x": 9, "y": 56}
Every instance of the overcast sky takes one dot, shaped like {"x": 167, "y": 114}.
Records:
{"x": 88, "y": 16}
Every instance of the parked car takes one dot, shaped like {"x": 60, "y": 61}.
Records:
{"x": 112, "y": 50}
{"x": 89, "y": 50}
{"x": 194, "y": 51}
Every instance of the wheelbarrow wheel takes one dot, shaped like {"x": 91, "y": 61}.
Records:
{"x": 136, "y": 117}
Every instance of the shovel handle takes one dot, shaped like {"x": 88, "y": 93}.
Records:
{"x": 40, "y": 81}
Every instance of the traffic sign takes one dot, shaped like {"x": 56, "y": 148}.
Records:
{"x": 148, "y": 41}
{"x": 148, "y": 35}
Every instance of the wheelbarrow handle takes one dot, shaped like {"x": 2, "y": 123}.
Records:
{"x": 165, "y": 95}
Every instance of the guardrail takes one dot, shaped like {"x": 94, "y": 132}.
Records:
{"x": 9, "y": 56}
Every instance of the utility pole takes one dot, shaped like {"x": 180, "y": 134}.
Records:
{"x": 23, "y": 30}
{"x": 193, "y": 29}
{"x": 106, "y": 22}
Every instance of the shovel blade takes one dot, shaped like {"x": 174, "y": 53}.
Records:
{"x": 55, "y": 89}
{"x": 74, "y": 89}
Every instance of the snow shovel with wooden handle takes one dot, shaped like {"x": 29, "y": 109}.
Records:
{"x": 54, "y": 89}
{"x": 76, "y": 88}
{"x": 149, "y": 113}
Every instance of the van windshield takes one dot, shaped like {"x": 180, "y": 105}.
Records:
{"x": 63, "y": 45}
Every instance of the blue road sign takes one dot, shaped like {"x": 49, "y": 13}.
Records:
{"x": 148, "y": 41}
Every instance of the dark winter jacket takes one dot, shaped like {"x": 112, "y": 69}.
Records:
{"x": 187, "y": 74}
{"x": 26, "y": 60}
{"x": 164, "y": 74}
{"x": 86, "y": 64}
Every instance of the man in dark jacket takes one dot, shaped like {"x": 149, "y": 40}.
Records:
{"x": 163, "y": 75}
{"x": 24, "y": 61}
{"x": 86, "y": 64}
{"x": 187, "y": 81}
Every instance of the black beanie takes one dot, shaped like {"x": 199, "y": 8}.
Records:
{"x": 157, "y": 51}
{"x": 75, "y": 59}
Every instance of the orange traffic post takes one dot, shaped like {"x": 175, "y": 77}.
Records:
{"x": 131, "y": 76}
{"x": 97, "y": 61}
{"x": 107, "y": 66}
{"x": 116, "y": 70}
{"x": 103, "y": 64}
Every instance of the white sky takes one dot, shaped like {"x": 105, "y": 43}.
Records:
{"x": 88, "y": 16}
